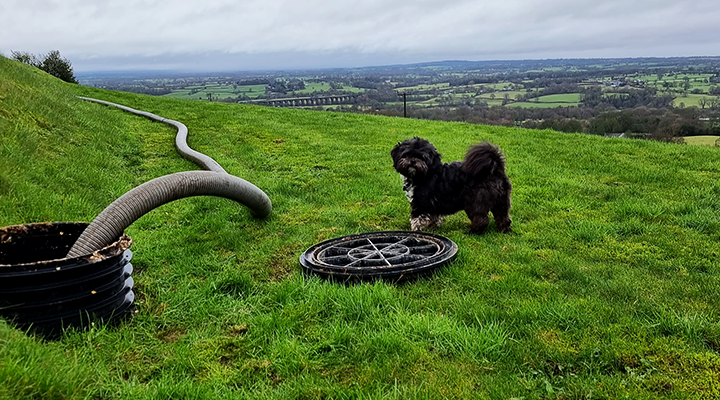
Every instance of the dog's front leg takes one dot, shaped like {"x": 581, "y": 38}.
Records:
{"x": 436, "y": 221}
{"x": 421, "y": 222}
{"x": 424, "y": 221}
{"x": 479, "y": 222}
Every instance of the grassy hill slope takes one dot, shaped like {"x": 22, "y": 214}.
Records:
{"x": 607, "y": 287}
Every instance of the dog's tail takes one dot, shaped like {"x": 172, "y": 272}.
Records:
{"x": 483, "y": 159}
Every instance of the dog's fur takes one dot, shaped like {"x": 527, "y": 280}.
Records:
{"x": 477, "y": 185}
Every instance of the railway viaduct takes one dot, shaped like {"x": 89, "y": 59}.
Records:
{"x": 310, "y": 101}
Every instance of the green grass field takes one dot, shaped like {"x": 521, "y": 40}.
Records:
{"x": 692, "y": 100}
{"x": 573, "y": 98}
{"x": 424, "y": 87}
{"x": 675, "y": 78}
{"x": 696, "y": 81}
{"x": 498, "y": 86}
{"x": 549, "y": 101}
{"x": 501, "y": 95}
{"x": 607, "y": 288}
{"x": 706, "y": 140}
{"x": 352, "y": 89}
{"x": 314, "y": 87}
{"x": 526, "y": 104}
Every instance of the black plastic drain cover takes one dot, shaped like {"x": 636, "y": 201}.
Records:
{"x": 391, "y": 255}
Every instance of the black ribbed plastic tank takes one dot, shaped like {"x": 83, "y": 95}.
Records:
{"x": 42, "y": 289}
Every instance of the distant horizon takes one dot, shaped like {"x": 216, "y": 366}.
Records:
{"x": 195, "y": 71}
{"x": 277, "y": 35}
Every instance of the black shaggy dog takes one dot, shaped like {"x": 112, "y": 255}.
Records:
{"x": 477, "y": 185}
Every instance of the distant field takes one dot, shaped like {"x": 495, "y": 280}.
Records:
{"x": 696, "y": 81}
{"x": 691, "y": 100}
{"x": 679, "y": 77}
{"x": 424, "y": 87}
{"x": 394, "y": 103}
{"x": 218, "y": 92}
{"x": 429, "y": 102}
{"x": 525, "y": 104}
{"x": 701, "y": 140}
{"x": 498, "y": 86}
{"x": 549, "y": 101}
{"x": 450, "y": 99}
{"x": 501, "y": 95}
{"x": 705, "y": 87}
{"x": 352, "y": 89}
{"x": 314, "y": 87}
{"x": 252, "y": 91}
{"x": 561, "y": 98}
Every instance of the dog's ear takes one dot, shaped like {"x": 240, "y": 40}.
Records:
{"x": 435, "y": 159}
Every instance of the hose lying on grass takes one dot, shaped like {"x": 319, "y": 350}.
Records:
{"x": 115, "y": 218}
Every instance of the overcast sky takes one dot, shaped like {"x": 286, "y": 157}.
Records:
{"x": 284, "y": 34}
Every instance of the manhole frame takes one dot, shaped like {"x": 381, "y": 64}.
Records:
{"x": 314, "y": 259}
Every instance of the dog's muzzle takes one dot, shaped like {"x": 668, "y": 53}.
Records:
{"x": 411, "y": 167}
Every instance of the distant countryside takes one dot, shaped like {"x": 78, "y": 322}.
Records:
{"x": 667, "y": 99}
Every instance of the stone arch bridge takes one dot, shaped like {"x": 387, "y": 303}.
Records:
{"x": 310, "y": 101}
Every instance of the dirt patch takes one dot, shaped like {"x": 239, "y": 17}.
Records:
{"x": 237, "y": 330}
{"x": 171, "y": 335}
{"x": 8, "y": 233}
{"x": 112, "y": 250}
{"x": 284, "y": 261}
{"x": 47, "y": 241}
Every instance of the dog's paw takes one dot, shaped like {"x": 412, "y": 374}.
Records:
{"x": 504, "y": 228}
{"x": 425, "y": 221}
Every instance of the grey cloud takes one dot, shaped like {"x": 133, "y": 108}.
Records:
{"x": 385, "y": 29}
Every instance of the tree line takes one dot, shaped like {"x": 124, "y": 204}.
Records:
{"x": 52, "y": 63}
{"x": 664, "y": 124}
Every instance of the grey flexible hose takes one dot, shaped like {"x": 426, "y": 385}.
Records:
{"x": 181, "y": 145}
{"x": 115, "y": 218}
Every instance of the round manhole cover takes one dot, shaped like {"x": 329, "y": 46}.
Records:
{"x": 393, "y": 255}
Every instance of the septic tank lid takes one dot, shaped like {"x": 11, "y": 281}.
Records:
{"x": 390, "y": 255}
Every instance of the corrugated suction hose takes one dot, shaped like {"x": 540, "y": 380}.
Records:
{"x": 181, "y": 145}
{"x": 114, "y": 219}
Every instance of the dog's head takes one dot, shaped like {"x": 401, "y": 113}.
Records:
{"x": 414, "y": 158}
